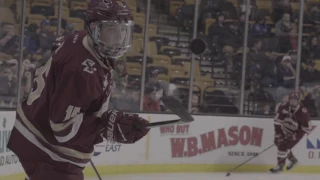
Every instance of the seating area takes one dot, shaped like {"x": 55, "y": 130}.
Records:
{"x": 272, "y": 41}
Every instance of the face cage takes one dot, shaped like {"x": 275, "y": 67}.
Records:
{"x": 111, "y": 51}
{"x": 294, "y": 102}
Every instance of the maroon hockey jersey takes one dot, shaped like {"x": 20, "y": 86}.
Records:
{"x": 292, "y": 121}
{"x": 61, "y": 115}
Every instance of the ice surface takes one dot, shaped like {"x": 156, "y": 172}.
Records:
{"x": 213, "y": 176}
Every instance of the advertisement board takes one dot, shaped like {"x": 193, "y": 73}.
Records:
{"x": 312, "y": 144}
{"x": 225, "y": 140}
{"x": 212, "y": 140}
{"x": 209, "y": 144}
{"x": 9, "y": 162}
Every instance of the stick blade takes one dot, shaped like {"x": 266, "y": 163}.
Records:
{"x": 163, "y": 123}
{"x": 177, "y": 108}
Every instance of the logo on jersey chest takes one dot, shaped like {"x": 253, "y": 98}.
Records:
{"x": 89, "y": 66}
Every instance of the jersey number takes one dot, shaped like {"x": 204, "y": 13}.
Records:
{"x": 71, "y": 112}
{"x": 41, "y": 73}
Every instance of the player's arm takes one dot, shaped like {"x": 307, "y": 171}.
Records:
{"x": 72, "y": 97}
{"x": 278, "y": 120}
{"x": 279, "y": 135}
{"x": 304, "y": 122}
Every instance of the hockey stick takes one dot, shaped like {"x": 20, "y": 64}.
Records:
{"x": 94, "y": 168}
{"x": 228, "y": 174}
{"x": 177, "y": 108}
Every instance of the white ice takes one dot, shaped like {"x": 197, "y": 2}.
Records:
{"x": 213, "y": 176}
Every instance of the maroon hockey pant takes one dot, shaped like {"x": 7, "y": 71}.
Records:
{"x": 284, "y": 150}
{"x": 38, "y": 165}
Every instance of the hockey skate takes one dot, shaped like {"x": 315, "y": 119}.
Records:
{"x": 277, "y": 169}
{"x": 292, "y": 163}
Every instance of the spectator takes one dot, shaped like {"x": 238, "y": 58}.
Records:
{"x": 312, "y": 98}
{"x": 255, "y": 54}
{"x": 120, "y": 68}
{"x": 260, "y": 28}
{"x": 208, "y": 8}
{"x": 47, "y": 37}
{"x": 252, "y": 7}
{"x": 151, "y": 103}
{"x": 310, "y": 74}
{"x": 219, "y": 26}
{"x": 254, "y": 74}
{"x": 290, "y": 42}
{"x": 315, "y": 15}
{"x": 195, "y": 103}
{"x": 270, "y": 70}
{"x": 27, "y": 70}
{"x": 293, "y": 58}
{"x": 13, "y": 64}
{"x": 235, "y": 37}
{"x": 287, "y": 77}
{"x": 312, "y": 49}
{"x": 259, "y": 101}
{"x": 229, "y": 38}
{"x": 7, "y": 81}
{"x": 242, "y": 23}
{"x": 228, "y": 9}
{"x": 309, "y": 102}
{"x": 9, "y": 41}
{"x": 32, "y": 39}
{"x": 283, "y": 26}
{"x": 120, "y": 75}
{"x": 163, "y": 88}
{"x": 280, "y": 7}
{"x": 69, "y": 29}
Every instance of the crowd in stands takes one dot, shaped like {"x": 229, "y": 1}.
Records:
{"x": 270, "y": 64}
{"x": 272, "y": 48}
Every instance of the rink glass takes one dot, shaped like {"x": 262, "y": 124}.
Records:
{"x": 213, "y": 83}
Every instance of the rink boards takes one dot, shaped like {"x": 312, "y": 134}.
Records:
{"x": 209, "y": 144}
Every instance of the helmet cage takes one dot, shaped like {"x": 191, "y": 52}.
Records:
{"x": 294, "y": 99}
{"x": 108, "y": 49}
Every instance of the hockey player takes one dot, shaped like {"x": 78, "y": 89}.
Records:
{"x": 291, "y": 124}
{"x": 66, "y": 113}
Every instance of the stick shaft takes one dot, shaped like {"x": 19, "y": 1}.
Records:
{"x": 95, "y": 169}
{"x": 251, "y": 158}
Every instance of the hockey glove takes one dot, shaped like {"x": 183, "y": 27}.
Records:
{"x": 123, "y": 127}
{"x": 291, "y": 136}
{"x": 278, "y": 139}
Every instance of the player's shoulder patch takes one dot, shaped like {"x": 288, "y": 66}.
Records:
{"x": 89, "y": 66}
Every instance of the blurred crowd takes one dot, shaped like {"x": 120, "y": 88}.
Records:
{"x": 37, "y": 46}
{"x": 271, "y": 58}
{"x": 272, "y": 49}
